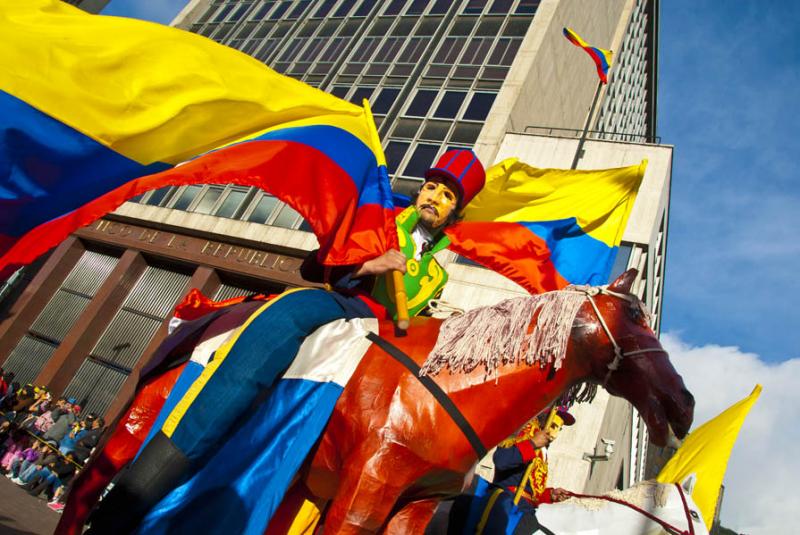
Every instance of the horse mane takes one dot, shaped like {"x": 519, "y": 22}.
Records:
{"x": 645, "y": 495}
{"x": 501, "y": 334}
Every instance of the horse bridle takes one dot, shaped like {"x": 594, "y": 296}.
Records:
{"x": 619, "y": 355}
{"x": 663, "y": 523}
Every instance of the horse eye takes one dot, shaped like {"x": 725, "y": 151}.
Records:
{"x": 695, "y": 515}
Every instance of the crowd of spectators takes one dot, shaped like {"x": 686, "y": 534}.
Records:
{"x": 43, "y": 442}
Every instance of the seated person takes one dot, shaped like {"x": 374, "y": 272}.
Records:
{"x": 56, "y": 474}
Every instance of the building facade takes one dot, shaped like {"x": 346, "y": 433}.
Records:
{"x": 496, "y": 75}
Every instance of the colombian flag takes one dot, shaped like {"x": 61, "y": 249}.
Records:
{"x": 601, "y": 57}
{"x": 95, "y": 110}
{"x": 548, "y": 228}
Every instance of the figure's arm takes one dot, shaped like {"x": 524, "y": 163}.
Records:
{"x": 350, "y": 277}
{"x": 514, "y": 457}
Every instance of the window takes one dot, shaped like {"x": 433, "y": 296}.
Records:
{"x": 298, "y": 10}
{"x": 417, "y": 7}
{"x": 449, "y": 105}
{"x": 479, "y": 106}
{"x": 208, "y": 200}
{"x": 223, "y": 13}
{"x": 262, "y": 11}
{"x": 477, "y": 50}
{"x": 232, "y": 203}
{"x": 360, "y": 94}
{"x": 501, "y": 6}
{"x": 263, "y": 209}
{"x": 186, "y": 197}
{"x": 504, "y": 51}
{"x": 421, "y": 160}
{"x": 421, "y": 103}
{"x": 239, "y": 12}
{"x": 385, "y": 100}
{"x": 340, "y": 91}
{"x": 158, "y": 196}
{"x": 441, "y": 7}
{"x": 395, "y": 150}
{"x": 344, "y": 8}
{"x": 324, "y": 9}
{"x": 280, "y": 10}
{"x": 395, "y": 7}
{"x": 364, "y": 9}
{"x": 527, "y": 6}
{"x": 286, "y": 218}
{"x": 474, "y": 7}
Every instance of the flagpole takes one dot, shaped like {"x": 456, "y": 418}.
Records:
{"x": 586, "y": 126}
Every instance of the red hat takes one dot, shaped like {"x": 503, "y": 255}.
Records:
{"x": 462, "y": 169}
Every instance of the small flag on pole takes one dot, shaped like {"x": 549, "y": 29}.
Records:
{"x": 601, "y": 57}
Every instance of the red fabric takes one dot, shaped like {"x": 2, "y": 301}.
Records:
{"x": 509, "y": 249}
{"x": 196, "y": 305}
{"x": 119, "y": 450}
{"x": 527, "y": 450}
{"x": 320, "y": 190}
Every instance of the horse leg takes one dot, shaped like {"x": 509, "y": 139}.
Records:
{"x": 372, "y": 480}
{"x": 413, "y": 518}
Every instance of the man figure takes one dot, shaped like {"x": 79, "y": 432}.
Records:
{"x": 507, "y": 499}
{"x": 449, "y": 186}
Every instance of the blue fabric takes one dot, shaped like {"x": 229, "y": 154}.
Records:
{"x": 191, "y": 372}
{"x": 48, "y": 169}
{"x": 241, "y": 486}
{"x": 577, "y": 256}
{"x": 503, "y": 517}
{"x": 262, "y": 351}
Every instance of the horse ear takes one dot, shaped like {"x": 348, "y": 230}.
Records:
{"x": 624, "y": 282}
{"x": 689, "y": 483}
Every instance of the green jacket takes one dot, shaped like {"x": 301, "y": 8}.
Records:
{"x": 424, "y": 278}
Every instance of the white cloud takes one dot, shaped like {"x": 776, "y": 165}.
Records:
{"x": 762, "y": 495}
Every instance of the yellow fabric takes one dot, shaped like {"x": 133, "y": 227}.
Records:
{"x": 705, "y": 452}
{"x": 151, "y": 92}
{"x": 175, "y": 417}
{"x": 306, "y": 520}
{"x": 600, "y": 200}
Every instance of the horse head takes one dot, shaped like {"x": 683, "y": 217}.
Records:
{"x": 627, "y": 359}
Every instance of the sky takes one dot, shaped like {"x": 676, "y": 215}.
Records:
{"x": 728, "y": 102}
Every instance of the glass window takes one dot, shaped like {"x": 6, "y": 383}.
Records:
{"x": 344, "y": 8}
{"x": 208, "y": 200}
{"x": 158, "y": 196}
{"x": 417, "y": 7}
{"x": 395, "y": 7}
{"x": 298, "y": 10}
{"x": 313, "y": 49}
{"x": 263, "y": 209}
{"x": 324, "y": 9}
{"x": 421, "y": 103}
{"x": 232, "y": 203}
{"x": 479, "y": 106}
{"x": 340, "y": 91}
{"x": 223, "y": 13}
{"x": 517, "y": 27}
{"x": 462, "y": 26}
{"x": 527, "y": 6}
{"x": 390, "y": 49}
{"x": 262, "y": 11}
{"x": 239, "y": 12}
{"x": 187, "y": 197}
{"x": 395, "y": 150}
{"x": 364, "y": 9}
{"x": 360, "y": 94}
{"x": 421, "y": 160}
{"x": 413, "y": 50}
{"x": 286, "y": 218}
{"x": 474, "y": 7}
{"x": 441, "y": 6}
{"x": 282, "y": 8}
{"x": 385, "y": 100}
{"x": 449, "y": 105}
{"x": 365, "y": 49}
{"x": 466, "y": 133}
{"x": 435, "y": 130}
{"x": 406, "y": 128}
{"x": 501, "y": 6}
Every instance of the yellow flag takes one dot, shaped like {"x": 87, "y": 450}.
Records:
{"x": 705, "y": 452}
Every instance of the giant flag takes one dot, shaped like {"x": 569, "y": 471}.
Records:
{"x": 95, "y": 110}
{"x": 705, "y": 453}
{"x": 548, "y": 228}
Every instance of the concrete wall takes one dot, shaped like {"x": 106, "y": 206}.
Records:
{"x": 552, "y": 82}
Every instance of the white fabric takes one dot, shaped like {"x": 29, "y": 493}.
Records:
{"x": 203, "y": 351}
{"x": 332, "y": 352}
{"x": 420, "y": 237}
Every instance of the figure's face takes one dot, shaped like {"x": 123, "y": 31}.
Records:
{"x": 541, "y": 439}
{"x": 435, "y": 202}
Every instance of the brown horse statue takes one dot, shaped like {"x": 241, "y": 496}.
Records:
{"x": 392, "y": 449}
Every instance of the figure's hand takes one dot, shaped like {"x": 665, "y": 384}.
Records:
{"x": 391, "y": 260}
{"x": 559, "y": 495}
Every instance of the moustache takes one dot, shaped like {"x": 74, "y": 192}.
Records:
{"x": 430, "y": 207}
